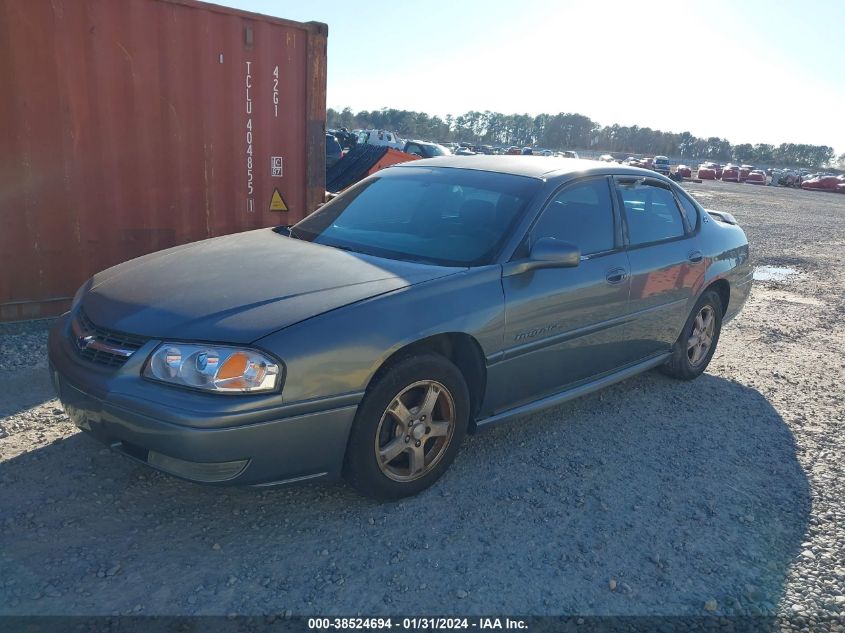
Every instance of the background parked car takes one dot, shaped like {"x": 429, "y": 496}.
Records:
{"x": 381, "y": 138}
{"x": 684, "y": 171}
{"x": 785, "y": 177}
{"x": 744, "y": 170}
{"x": 706, "y": 171}
{"x": 333, "y": 150}
{"x": 661, "y": 165}
{"x": 756, "y": 177}
{"x": 730, "y": 173}
{"x": 347, "y": 139}
{"x": 823, "y": 183}
{"x": 425, "y": 149}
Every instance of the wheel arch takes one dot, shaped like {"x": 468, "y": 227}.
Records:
{"x": 723, "y": 288}
{"x": 460, "y": 348}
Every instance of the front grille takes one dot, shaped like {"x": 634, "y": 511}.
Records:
{"x": 102, "y": 346}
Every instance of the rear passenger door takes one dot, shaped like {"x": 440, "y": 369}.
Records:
{"x": 666, "y": 263}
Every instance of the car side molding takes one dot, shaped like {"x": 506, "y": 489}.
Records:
{"x": 576, "y": 392}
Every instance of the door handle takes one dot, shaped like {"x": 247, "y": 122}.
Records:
{"x": 695, "y": 256}
{"x": 616, "y": 275}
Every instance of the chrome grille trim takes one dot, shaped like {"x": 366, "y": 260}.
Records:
{"x": 100, "y": 345}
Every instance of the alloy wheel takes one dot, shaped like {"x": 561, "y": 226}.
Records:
{"x": 701, "y": 337}
{"x": 415, "y": 430}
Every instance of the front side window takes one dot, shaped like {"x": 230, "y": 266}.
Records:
{"x": 447, "y": 216}
{"x": 581, "y": 214}
{"x": 651, "y": 212}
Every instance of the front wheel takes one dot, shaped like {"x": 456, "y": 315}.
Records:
{"x": 408, "y": 427}
{"x": 697, "y": 343}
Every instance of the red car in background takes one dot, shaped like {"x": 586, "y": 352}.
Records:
{"x": 684, "y": 170}
{"x": 744, "y": 170}
{"x": 709, "y": 171}
{"x": 756, "y": 177}
{"x": 730, "y": 173}
{"x": 706, "y": 171}
{"x": 825, "y": 183}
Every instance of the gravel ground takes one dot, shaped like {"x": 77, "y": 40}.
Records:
{"x": 654, "y": 497}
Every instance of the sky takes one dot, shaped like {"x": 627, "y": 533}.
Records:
{"x": 746, "y": 70}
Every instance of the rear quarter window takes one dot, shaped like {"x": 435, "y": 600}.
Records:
{"x": 690, "y": 210}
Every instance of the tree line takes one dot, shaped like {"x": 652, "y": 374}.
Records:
{"x": 578, "y": 132}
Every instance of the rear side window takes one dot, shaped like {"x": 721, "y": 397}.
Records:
{"x": 581, "y": 214}
{"x": 690, "y": 210}
{"x": 651, "y": 212}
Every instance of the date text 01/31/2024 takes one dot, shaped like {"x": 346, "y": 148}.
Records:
{"x": 414, "y": 624}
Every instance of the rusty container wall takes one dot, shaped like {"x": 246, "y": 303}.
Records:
{"x": 128, "y": 127}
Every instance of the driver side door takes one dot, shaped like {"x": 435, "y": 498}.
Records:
{"x": 566, "y": 325}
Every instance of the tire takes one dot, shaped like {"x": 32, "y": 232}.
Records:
{"x": 414, "y": 453}
{"x": 687, "y": 363}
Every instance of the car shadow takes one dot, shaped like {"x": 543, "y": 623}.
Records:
{"x": 23, "y": 389}
{"x": 651, "y": 497}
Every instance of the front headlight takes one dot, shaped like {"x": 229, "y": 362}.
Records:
{"x": 213, "y": 368}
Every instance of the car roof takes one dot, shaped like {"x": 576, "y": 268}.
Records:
{"x": 542, "y": 167}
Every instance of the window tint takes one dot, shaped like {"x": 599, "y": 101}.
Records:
{"x": 651, "y": 212}
{"x": 690, "y": 210}
{"x": 581, "y": 214}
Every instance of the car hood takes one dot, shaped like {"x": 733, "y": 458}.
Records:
{"x": 238, "y": 288}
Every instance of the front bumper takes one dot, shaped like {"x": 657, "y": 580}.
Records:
{"x": 254, "y": 445}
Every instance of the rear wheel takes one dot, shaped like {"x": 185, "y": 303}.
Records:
{"x": 408, "y": 427}
{"x": 697, "y": 343}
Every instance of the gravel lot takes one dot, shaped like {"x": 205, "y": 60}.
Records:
{"x": 652, "y": 497}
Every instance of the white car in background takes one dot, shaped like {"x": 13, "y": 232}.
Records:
{"x": 381, "y": 138}
{"x": 661, "y": 165}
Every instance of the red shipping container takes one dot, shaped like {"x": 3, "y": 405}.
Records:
{"x": 128, "y": 127}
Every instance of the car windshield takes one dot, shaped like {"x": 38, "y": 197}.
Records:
{"x": 447, "y": 217}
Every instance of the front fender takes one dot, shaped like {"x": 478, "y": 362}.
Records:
{"x": 338, "y": 352}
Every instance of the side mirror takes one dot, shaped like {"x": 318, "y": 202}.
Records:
{"x": 547, "y": 252}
